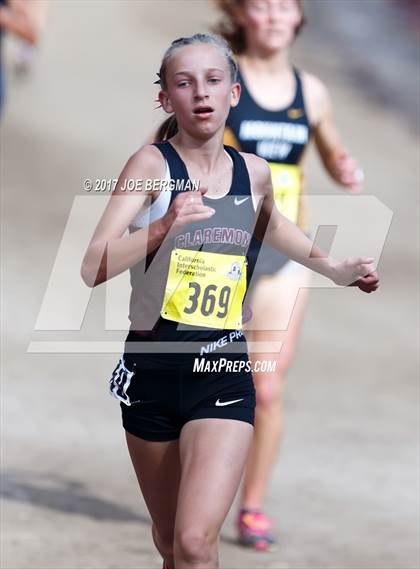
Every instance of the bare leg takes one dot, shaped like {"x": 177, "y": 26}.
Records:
{"x": 213, "y": 455}
{"x": 276, "y": 305}
{"x": 157, "y": 467}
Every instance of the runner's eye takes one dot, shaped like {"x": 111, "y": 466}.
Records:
{"x": 285, "y": 6}
{"x": 214, "y": 80}
{"x": 259, "y": 7}
{"x": 183, "y": 84}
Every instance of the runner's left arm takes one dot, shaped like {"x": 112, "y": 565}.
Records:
{"x": 342, "y": 167}
{"x": 276, "y": 230}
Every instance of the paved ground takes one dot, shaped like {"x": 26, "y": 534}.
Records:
{"x": 345, "y": 489}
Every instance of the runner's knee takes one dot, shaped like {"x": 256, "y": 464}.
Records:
{"x": 195, "y": 545}
{"x": 285, "y": 359}
{"x": 269, "y": 391}
{"x": 164, "y": 540}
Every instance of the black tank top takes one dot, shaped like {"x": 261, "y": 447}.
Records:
{"x": 228, "y": 231}
{"x": 277, "y": 136}
{"x": 280, "y": 137}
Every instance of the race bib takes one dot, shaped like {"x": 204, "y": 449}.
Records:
{"x": 286, "y": 186}
{"x": 205, "y": 289}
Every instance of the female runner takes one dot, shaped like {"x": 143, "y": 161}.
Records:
{"x": 188, "y": 419}
{"x": 279, "y": 110}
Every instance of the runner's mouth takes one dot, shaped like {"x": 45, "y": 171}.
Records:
{"x": 203, "y": 110}
{"x": 274, "y": 31}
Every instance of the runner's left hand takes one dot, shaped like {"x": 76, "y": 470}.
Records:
{"x": 348, "y": 173}
{"x": 358, "y": 272}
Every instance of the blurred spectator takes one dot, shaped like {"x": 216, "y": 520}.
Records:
{"x": 26, "y": 20}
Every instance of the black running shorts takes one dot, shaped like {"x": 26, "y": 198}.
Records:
{"x": 159, "y": 394}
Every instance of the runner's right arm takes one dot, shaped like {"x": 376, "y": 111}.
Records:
{"x": 110, "y": 252}
{"x": 24, "y": 19}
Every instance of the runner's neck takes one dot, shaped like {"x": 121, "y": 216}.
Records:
{"x": 277, "y": 64}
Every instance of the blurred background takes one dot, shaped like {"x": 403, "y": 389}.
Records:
{"x": 78, "y": 104}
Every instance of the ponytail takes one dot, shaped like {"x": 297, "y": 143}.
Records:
{"x": 167, "y": 129}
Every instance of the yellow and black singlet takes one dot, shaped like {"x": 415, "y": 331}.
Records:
{"x": 280, "y": 137}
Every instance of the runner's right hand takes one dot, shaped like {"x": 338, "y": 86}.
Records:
{"x": 187, "y": 207}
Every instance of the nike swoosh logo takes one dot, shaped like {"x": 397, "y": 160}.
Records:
{"x": 295, "y": 113}
{"x": 238, "y": 202}
{"x": 222, "y": 404}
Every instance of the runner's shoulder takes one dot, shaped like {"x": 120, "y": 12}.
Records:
{"x": 258, "y": 170}
{"x": 317, "y": 97}
{"x": 148, "y": 162}
{"x": 313, "y": 86}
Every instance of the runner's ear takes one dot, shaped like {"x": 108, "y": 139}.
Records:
{"x": 165, "y": 102}
{"x": 235, "y": 94}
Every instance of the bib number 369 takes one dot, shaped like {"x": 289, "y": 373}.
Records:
{"x": 208, "y": 300}
{"x": 205, "y": 289}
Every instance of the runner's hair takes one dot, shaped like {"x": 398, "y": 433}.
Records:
{"x": 233, "y": 33}
{"x": 169, "y": 127}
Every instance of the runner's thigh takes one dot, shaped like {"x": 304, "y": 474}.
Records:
{"x": 157, "y": 468}
{"x": 213, "y": 454}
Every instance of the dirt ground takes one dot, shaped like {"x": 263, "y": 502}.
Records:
{"x": 344, "y": 493}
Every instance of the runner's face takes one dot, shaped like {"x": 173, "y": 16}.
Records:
{"x": 270, "y": 25}
{"x": 199, "y": 89}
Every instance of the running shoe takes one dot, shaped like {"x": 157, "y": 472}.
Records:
{"x": 255, "y": 530}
